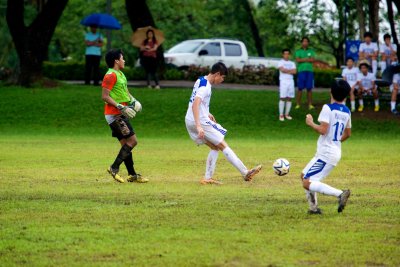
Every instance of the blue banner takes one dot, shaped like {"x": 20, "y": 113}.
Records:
{"x": 352, "y": 47}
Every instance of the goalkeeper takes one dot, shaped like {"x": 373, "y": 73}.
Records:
{"x": 120, "y": 106}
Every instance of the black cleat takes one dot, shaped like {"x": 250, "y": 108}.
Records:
{"x": 343, "y": 200}
{"x": 313, "y": 212}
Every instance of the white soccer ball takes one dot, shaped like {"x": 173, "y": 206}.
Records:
{"x": 281, "y": 166}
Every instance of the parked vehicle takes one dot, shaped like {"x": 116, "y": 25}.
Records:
{"x": 206, "y": 52}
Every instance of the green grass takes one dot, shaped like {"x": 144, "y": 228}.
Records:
{"x": 58, "y": 207}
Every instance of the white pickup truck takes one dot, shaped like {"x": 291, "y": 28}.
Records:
{"x": 206, "y": 52}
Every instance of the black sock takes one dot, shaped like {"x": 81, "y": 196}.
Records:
{"x": 122, "y": 155}
{"x": 129, "y": 165}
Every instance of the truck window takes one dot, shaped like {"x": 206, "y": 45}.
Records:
{"x": 232, "y": 50}
{"x": 213, "y": 49}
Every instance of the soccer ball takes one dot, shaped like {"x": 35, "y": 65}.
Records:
{"x": 281, "y": 167}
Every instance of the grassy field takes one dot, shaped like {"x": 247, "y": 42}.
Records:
{"x": 58, "y": 207}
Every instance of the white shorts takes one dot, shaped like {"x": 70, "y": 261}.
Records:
{"x": 213, "y": 132}
{"x": 286, "y": 88}
{"x": 317, "y": 169}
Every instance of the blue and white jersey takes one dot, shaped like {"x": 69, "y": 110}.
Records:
{"x": 368, "y": 49}
{"x": 329, "y": 147}
{"x": 289, "y": 65}
{"x": 366, "y": 81}
{"x": 387, "y": 50}
{"x": 201, "y": 89}
{"x": 350, "y": 75}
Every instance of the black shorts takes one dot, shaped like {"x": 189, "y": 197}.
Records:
{"x": 121, "y": 128}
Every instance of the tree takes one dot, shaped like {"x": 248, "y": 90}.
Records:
{"x": 361, "y": 18}
{"x": 373, "y": 14}
{"x": 254, "y": 28}
{"x": 32, "y": 42}
{"x": 392, "y": 23}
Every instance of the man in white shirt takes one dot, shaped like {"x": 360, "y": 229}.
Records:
{"x": 366, "y": 86}
{"x": 350, "y": 74}
{"x": 204, "y": 129}
{"x": 369, "y": 51}
{"x": 287, "y": 69}
{"x": 388, "y": 52}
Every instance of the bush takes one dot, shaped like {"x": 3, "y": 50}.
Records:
{"x": 248, "y": 75}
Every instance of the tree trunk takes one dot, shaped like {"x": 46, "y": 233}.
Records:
{"x": 254, "y": 28}
{"x": 140, "y": 16}
{"x": 32, "y": 42}
{"x": 392, "y": 23}
{"x": 373, "y": 11}
{"x": 361, "y": 18}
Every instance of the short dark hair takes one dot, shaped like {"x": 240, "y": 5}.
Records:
{"x": 368, "y": 34}
{"x": 112, "y": 55}
{"x": 305, "y": 38}
{"x": 386, "y": 36}
{"x": 219, "y": 67}
{"x": 340, "y": 89}
{"x": 285, "y": 50}
{"x": 349, "y": 58}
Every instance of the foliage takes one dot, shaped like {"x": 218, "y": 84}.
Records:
{"x": 59, "y": 207}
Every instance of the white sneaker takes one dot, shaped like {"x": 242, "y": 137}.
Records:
{"x": 281, "y": 118}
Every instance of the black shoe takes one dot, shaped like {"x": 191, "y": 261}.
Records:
{"x": 343, "y": 200}
{"x": 313, "y": 212}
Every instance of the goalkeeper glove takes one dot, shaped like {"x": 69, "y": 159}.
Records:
{"x": 127, "y": 111}
{"x": 135, "y": 104}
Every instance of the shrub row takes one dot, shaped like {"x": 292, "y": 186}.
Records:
{"x": 248, "y": 75}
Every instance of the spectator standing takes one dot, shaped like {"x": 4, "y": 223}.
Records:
{"x": 305, "y": 78}
{"x": 148, "y": 58}
{"x": 287, "y": 69}
{"x": 369, "y": 51}
{"x": 94, "y": 42}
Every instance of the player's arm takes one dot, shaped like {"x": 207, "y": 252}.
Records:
{"x": 196, "y": 116}
{"x": 322, "y": 128}
{"x": 282, "y": 69}
{"x": 107, "y": 98}
{"x": 347, "y": 132}
{"x": 293, "y": 71}
{"x": 212, "y": 118}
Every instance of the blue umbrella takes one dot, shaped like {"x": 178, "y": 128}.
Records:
{"x": 103, "y": 21}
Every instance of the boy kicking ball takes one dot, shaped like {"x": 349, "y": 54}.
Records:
{"x": 203, "y": 128}
{"x": 287, "y": 69}
{"x": 334, "y": 128}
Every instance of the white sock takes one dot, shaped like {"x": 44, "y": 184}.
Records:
{"x": 288, "y": 107}
{"x": 281, "y": 106}
{"x": 361, "y": 102}
{"x": 383, "y": 66}
{"x": 376, "y": 102}
{"x": 312, "y": 200}
{"x": 211, "y": 163}
{"x": 374, "y": 66}
{"x": 234, "y": 160}
{"x": 392, "y": 105}
{"x": 324, "y": 189}
{"x": 353, "y": 104}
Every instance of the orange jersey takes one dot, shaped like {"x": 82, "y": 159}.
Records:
{"x": 109, "y": 81}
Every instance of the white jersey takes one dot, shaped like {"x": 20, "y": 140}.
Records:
{"x": 368, "y": 49}
{"x": 383, "y": 48}
{"x": 366, "y": 80}
{"x": 350, "y": 75}
{"x": 201, "y": 89}
{"x": 329, "y": 147}
{"x": 289, "y": 65}
{"x": 396, "y": 78}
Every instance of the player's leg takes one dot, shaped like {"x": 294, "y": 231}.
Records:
{"x": 360, "y": 100}
{"x": 312, "y": 201}
{"x": 376, "y": 98}
{"x": 383, "y": 62}
{"x": 352, "y": 99}
{"x": 281, "y": 105}
{"x": 289, "y": 96}
{"x": 211, "y": 164}
{"x": 300, "y": 85}
{"x": 310, "y": 86}
{"x": 374, "y": 66}
{"x": 88, "y": 69}
{"x": 96, "y": 70}
{"x": 315, "y": 171}
{"x": 395, "y": 90}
